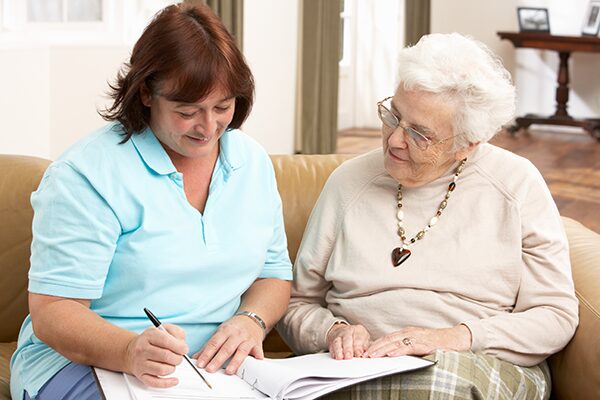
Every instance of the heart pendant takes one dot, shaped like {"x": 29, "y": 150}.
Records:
{"x": 399, "y": 255}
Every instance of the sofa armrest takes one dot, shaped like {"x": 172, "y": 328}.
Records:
{"x": 575, "y": 369}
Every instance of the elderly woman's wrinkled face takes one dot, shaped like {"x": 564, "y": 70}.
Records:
{"x": 432, "y": 116}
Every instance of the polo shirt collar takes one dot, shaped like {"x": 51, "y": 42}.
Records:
{"x": 152, "y": 152}
{"x": 232, "y": 155}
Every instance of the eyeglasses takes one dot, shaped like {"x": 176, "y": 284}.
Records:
{"x": 415, "y": 137}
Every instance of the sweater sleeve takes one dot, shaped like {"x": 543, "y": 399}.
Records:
{"x": 545, "y": 315}
{"x": 307, "y": 320}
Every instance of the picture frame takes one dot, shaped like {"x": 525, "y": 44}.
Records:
{"x": 533, "y": 19}
{"x": 591, "y": 20}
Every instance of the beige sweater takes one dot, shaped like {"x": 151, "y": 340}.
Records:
{"x": 497, "y": 260}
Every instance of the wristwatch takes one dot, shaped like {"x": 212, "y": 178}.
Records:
{"x": 256, "y": 318}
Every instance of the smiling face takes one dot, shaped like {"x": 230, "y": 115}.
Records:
{"x": 190, "y": 130}
{"x": 431, "y": 115}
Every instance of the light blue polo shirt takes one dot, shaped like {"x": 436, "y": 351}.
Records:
{"x": 112, "y": 224}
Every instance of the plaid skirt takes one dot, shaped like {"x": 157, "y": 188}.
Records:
{"x": 456, "y": 375}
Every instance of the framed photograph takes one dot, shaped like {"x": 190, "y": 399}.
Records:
{"x": 591, "y": 20}
{"x": 533, "y": 19}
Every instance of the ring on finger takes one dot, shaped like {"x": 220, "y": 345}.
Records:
{"x": 408, "y": 341}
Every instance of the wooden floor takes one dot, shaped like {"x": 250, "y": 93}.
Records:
{"x": 569, "y": 162}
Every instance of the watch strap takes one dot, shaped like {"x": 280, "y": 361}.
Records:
{"x": 254, "y": 317}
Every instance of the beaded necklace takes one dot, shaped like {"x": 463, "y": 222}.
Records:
{"x": 401, "y": 254}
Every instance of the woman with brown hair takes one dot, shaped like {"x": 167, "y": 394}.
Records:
{"x": 168, "y": 207}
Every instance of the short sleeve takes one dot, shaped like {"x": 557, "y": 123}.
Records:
{"x": 277, "y": 263}
{"x": 75, "y": 233}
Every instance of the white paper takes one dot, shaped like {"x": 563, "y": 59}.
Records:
{"x": 310, "y": 376}
{"x": 191, "y": 386}
{"x": 298, "y": 378}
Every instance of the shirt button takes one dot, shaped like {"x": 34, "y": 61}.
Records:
{"x": 176, "y": 178}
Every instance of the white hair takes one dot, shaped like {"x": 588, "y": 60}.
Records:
{"x": 469, "y": 75}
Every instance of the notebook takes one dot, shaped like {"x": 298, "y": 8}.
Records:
{"x": 298, "y": 378}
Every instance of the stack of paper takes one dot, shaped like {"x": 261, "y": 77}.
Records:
{"x": 298, "y": 378}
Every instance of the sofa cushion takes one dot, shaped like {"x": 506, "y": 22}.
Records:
{"x": 19, "y": 176}
{"x": 6, "y": 351}
{"x": 300, "y": 180}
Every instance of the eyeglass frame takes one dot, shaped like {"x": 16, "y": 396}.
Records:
{"x": 411, "y": 132}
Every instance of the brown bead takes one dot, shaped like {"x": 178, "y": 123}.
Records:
{"x": 451, "y": 186}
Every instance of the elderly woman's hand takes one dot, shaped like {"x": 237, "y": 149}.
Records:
{"x": 237, "y": 338}
{"x": 347, "y": 341}
{"x": 420, "y": 341}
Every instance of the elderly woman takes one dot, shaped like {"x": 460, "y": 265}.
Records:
{"x": 168, "y": 207}
{"x": 440, "y": 245}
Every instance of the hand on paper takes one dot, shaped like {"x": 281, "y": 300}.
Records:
{"x": 237, "y": 338}
{"x": 347, "y": 341}
{"x": 420, "y": 341}
{"x": 156, "y": 353}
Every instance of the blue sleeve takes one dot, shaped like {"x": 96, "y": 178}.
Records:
{"x": 277, "y": 263}
{"x": 75, "y": 234}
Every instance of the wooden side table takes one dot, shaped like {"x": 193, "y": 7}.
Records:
{"x": 564, "y": 45}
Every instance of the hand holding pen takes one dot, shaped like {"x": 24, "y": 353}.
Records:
{"x": 158, "y": 325}
{"x": 154, "y": 354}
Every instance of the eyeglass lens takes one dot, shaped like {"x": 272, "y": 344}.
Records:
{"x": 392, "y": 121}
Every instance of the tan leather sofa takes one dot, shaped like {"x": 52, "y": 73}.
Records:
{"x": 575, "y": 370}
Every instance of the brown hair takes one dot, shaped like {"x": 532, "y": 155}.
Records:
{"x": 189, "y": 46}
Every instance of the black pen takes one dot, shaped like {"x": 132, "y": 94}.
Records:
{"x": 157, "y": 324}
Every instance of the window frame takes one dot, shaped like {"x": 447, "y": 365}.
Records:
{"x": 15, "y": 29}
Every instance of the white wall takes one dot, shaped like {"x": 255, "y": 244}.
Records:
{"x": 50, "y": 94}
{"x": 78, "y": 86}
{"x": 270, "y": 47}
{"x": 24, "y": 101}
{"x": 534, "y": 71}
